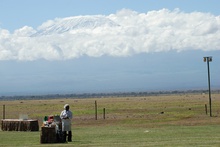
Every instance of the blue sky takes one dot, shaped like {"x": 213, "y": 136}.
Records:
{"x": 15, "y": 14}
{"x": 166, "y": 53}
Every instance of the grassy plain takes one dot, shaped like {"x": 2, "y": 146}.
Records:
{"x": 165, "y": 120}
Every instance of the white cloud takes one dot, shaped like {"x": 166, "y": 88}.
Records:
{"x": 24, "y": 31}
{"x": 122, "y": 34}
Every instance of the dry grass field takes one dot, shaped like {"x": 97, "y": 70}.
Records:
{"x": 135, "y": 113}
{"x": 188, "y": 109}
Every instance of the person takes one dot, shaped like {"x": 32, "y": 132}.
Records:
{"x": 66, "y": 116}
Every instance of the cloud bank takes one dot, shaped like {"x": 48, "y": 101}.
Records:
{"x": 124, "y": 33}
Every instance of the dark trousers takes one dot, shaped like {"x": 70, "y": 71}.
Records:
{"x": 69, "y": 136}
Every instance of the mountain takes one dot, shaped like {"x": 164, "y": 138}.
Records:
{"x": 59, "y": 26}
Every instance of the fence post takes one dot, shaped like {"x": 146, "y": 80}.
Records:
{"x": 3, "y": 111}
{"x": 206, "y": 111}
{"x": 95, "y": 110}
{"x": 103, "y": 113}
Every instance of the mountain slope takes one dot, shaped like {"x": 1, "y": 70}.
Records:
{"x": 60, "y": 26}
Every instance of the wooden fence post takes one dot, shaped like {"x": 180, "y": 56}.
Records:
{"x": 95, "y": 110}
{"x": 103, "y": 113}
{"x": 3, "y": 111}
{"x": 206, "y": 111}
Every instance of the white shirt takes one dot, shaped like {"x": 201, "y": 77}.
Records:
{"x": 66, "y": 123}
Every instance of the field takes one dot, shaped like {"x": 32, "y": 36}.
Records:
{"x": 164, "y": 120}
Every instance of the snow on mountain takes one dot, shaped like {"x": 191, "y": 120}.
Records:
{"x": 62, "y": 25}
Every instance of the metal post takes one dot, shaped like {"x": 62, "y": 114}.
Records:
{"x": 210, "y": 102}
{"x": 209, "y": 59}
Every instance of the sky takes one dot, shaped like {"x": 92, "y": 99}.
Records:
{"x": 115, "y": 46}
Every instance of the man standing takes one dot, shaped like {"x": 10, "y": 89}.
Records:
{"x": 66, "y": 116}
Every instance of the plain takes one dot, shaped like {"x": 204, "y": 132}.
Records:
{"x": 163, "y": 120}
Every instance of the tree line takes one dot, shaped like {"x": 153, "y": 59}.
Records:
{"x": 103, "y": 95}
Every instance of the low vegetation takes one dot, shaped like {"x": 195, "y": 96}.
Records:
{"x": 163, "y": 120}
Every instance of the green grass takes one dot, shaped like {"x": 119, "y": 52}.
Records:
{"x": 129, "y": 121}
{"x": 125, "y": 136}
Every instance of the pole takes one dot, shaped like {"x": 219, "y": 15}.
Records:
{"x": 103, "y": 113}
{"x": 95, "y": 110}
{"x": 206, "y": 112}
{"x": 3, "y": 111}
{"x": 210, "y": 103}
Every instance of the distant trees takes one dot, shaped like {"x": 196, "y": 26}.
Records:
{"x": 103, "y": 95}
